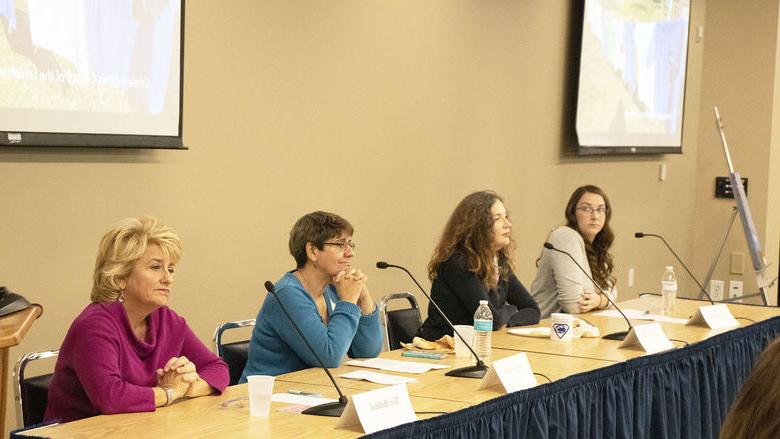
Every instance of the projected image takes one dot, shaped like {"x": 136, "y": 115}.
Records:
{"x": 105, "y": 58}
{"x": 632, "y": 73}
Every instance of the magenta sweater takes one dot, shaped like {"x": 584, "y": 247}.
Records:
{"x": 103, "y": 368}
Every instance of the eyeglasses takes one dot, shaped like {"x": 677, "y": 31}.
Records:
{"x": 341, "y": 245}
{"x": 601, "y": 210}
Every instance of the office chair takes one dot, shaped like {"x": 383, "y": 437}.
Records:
{"x": 400, "y": 325}
{"x": 31, "y": 394}
{"x": 236, "y": 353}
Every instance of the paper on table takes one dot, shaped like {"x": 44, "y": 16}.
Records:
{"x": 396, "y": 365}
{"x": 540, "y": 332}
{"x": 376, "y": 377}
{"x": 659, "y": 318}
{"x": 289, "y": 398}
{"x": 636, "y": 314}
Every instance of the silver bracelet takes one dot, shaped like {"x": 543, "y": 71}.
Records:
{"x": 170, "y": 396}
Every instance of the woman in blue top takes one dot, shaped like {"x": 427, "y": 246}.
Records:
{"x": 326, "y": 297}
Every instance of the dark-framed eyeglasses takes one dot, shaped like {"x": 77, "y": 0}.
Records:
{"x": 601, "y": 210}
{"x": 342, "y": 245}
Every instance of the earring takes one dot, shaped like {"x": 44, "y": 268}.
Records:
{"x": 121, "y": 297}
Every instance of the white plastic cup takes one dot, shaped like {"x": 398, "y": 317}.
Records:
{"x": 261, "y": 387}
{"x": 561, "y": 327}
{"x": 467, "y": 331}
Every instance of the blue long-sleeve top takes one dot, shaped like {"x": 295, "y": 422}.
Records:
{"x": 276, "y": 348}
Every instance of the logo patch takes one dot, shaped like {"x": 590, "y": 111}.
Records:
{"x": 560, "y": 329}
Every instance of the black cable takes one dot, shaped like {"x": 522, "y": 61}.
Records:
{"x": 543, "y": 375}
{"x": 431, "y": 413}
{"x": 681, "y": 341}
{"x": 745, "y": 318}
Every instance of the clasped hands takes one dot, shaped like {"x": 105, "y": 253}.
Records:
{"x": 350, "y": 284}
{"x": 179, "y": 373}
{"x": 589, "y": 301}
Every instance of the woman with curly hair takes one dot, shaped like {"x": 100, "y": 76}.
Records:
{"x": 559, "y": 283}
{"x": 473, "y": 262}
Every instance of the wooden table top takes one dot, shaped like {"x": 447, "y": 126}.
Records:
{"x": 435, "y": 384}
{"x": 599, "y": 348}
{"x": 227, "y": 415}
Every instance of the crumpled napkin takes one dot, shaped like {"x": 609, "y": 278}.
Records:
{"x": 582, "y": 329}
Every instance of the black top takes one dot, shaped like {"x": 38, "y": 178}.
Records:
{"x": 458, "y": 291}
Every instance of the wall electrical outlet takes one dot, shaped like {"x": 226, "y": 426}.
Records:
{"x": 716, "y": 289}
{"x": 630, "y": 277}
{"x": 735, "y": 289}
{"x": 723, "y": 187}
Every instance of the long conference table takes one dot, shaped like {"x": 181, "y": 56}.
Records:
{"x": 596, "y": 390}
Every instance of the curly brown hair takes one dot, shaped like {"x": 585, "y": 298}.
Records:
{"x": 470, "y": 231}
{"x": 599, "y": 258}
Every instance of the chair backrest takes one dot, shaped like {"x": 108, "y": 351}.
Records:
{"x": 236, "y": 353}
{"x": 31, "y": 394}
{"x": 400, "y": 325}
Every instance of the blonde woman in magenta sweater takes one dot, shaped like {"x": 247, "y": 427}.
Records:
{"x": 127, "y": 351}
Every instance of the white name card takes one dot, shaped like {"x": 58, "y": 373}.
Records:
{"x": 713, "y": 316}
{"x": 514, "y": 373}
{"x": 649, "y": 336}
{"x": 379, "y": 409}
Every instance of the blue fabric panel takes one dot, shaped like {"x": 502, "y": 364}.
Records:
{"x": 683, "y": 393}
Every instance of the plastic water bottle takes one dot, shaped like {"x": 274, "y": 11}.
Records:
{"x": 668, "y": 291}
{"x": 483, "y": 331}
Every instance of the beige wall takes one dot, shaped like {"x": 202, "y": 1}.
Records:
{"x": 739, "y": 76}
{"x": 385, "y": 112}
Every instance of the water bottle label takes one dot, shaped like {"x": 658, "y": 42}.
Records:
{"x": 669, "y": 286}
{"x": 483, "y": 325}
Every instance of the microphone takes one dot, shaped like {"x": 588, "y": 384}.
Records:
{"x": 333, "y": 409}
{"x": 477, "y": 371}
{"x": 701, "y": 288}
{"x": 617, "y": 335}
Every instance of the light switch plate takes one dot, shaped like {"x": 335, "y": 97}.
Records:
{"x": 737, "y": 263}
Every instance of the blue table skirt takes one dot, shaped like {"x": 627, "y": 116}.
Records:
{"x": 684, "y": 393}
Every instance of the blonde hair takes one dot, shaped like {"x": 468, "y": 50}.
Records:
{"x": 122, "y": 247}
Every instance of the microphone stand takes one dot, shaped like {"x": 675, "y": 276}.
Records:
{"x": 333, "y": 409}
{"x": 614, "y": 336}
{"x": 724, "y": 314}
{"x": 478, "y": 370}
{"x": 715, "y": 259}
{"x": 701, "y": 288}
